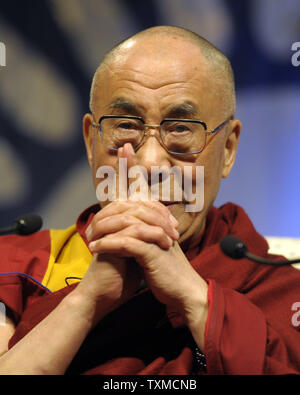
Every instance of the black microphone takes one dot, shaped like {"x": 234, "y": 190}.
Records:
{"x": 236, "y": 249}
{"x": 25, "y": 225}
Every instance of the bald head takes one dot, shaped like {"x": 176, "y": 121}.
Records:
{"x": 218, "y": 66}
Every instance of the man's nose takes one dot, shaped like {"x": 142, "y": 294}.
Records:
{"x": 152, "y": 152}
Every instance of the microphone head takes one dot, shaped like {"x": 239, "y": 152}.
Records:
{"x": 28, "y": 223}
{"x": 233, "y": 247}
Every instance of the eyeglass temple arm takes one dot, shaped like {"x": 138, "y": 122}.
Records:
{"x": 220, "y": 126}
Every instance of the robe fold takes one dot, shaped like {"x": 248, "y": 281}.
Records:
{"x": 250, "y": 327}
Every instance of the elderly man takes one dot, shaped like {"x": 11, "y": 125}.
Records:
{"x": 141, "y": 286}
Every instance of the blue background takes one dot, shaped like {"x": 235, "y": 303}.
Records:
{"x": 52, "y": 50}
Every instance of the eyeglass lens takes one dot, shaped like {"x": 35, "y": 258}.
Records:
{"x": 177, "y": 135}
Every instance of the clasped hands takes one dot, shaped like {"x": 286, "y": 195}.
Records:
{"x": 132, "y": 240}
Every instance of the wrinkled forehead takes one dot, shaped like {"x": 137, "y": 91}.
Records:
{"x": 166, "y": 55}
{"x": 156, "y": 63}
{"x": 174, "y": 68}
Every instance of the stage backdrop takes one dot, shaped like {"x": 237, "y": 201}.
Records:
{"x": 52, "y": 48}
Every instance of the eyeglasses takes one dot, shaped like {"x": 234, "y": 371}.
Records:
{"x": 178, "y": 136}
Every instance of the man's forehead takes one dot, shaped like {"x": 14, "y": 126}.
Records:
{"x": 156, "y": 62}
{"x": 152, "y": 69}
{"x": 130, "y": 92}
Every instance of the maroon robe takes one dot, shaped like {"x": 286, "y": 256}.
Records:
{"x": 250, "y": 327}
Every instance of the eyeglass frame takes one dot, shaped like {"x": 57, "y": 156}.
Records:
{"x": 146, "y": 126}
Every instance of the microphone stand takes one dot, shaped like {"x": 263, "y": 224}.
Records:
{"x": 8, "y": 229}
{"x": 234, "y": 248}
{"x": 268, "y": 262}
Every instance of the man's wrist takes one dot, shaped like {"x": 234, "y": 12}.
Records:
{"x": 195, "y": 312}
{"x": 84, "y": 308}
{"x": 90, "y": 308}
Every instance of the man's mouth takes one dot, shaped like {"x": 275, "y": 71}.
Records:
{"x": 168, "y": 203}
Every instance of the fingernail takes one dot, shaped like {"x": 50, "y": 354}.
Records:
{"x": 173, "y": 220}
{"x": 88, "y": 232}
{"x": 176, "y": 234}
{"x": 92, "y": 245}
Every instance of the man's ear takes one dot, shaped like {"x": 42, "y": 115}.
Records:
{"x": 88, "y": 133}
{"x": 231, "y": 145}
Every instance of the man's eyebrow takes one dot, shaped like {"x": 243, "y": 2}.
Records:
{"x": 182, "y": 110}
{"x": 125, "y": 106}
{"x": 186, "y": 109}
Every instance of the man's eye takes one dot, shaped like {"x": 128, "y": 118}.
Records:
{"x": 127, "y": 126}
{"x": 182, "y": 128}
{"x": 179, "y": 128}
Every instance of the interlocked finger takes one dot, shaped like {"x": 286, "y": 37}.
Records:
{"x": 125, "y": 214}
{"x": 139, "y": 231}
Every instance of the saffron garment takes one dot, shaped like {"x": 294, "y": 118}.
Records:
{"x": 249, "y": 329}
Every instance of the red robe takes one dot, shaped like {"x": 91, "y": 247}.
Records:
{"x": 251, "y": 326}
